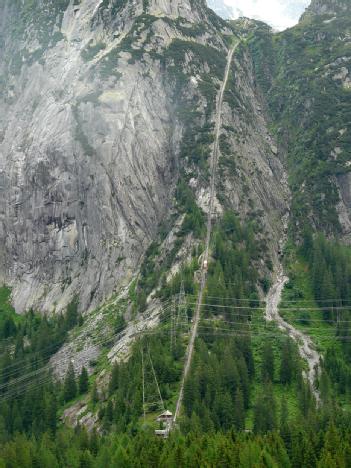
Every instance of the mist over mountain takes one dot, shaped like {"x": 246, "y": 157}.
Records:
{"x": 280, "y": 14}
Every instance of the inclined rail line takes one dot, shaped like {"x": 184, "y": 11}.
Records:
{"x": 213, "y": 166}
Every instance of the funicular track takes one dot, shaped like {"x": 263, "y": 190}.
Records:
{"x": 203, "y": 268}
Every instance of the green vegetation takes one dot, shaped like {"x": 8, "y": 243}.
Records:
{"x": 31, "y": 17}
{"x": 123, "y": 410}
{"x": 232, "y": 273}
{"x": 28, "y": 396}
{"x": 238, "y": 379}
{"x": 8, "y": 317}
{"x": 245, "y": 401}
{"x": 321, "y": 445}
{"x": 319, "y": 285}
{"x": 91, "y": 51}
{"x": 115, "y": 6}
{"x": 297, "y": 71}
{"x": 194, "y": 220}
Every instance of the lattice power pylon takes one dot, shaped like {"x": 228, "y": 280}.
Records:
{"x": 182, "y": 314}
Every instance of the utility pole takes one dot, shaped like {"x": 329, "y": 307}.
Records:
{"x": 173, "y": 324}
{"x": 156, "y": 381}
{"x": 182, "y": 306}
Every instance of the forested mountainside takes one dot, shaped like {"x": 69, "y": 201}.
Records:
{"x": 175, "y": 228}
{"x": 305, "y": 77}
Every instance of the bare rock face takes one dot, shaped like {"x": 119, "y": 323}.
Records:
{"x": 327, "y": 7}
{"x": 90, "y": 140}
{"x": 88, "y": 145}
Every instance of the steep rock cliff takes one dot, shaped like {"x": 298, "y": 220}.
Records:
{"x": 88, "y": 145}
{"x": 327, "y": 7}
{"x": 92, "y": 139}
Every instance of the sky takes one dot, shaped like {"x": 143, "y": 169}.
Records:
{"x": 280, "y": 14}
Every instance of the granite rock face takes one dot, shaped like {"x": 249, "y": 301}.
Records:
{"x": 90, "y": 142}
{"x": 88, "y": 147}
{"x": 327, "y": 7}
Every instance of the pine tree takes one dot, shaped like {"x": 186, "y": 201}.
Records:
{"x": 94, "y": 394}
{"x": 3, "y": 430}
{"x": 284, "y": 422}
{"x": 113, "y": 384}
{"x": 9, "y": 328}
{"x": 324, "y": 386}
{"x": 287, "y": 365}
{"x": 70, "y": 385}
{"x": 206, "y": 420}
{"x": 267, "y": 363}
{"x": 83, "y": 381}
{"x": 307, "y": 244}
{"x": 239, "y": 411}
{"x": 229, "y": 373}
{"x": 191, "y": 393}
{"x": 306, "y": 399}
{"x": 17, "y": 424}
{"x": 51, "y": 413}
{"x": 86, "y": 460}
{"x": 265, "y": 411}
{"x": 245, "y": 382}
{"x": 72, "y": 314}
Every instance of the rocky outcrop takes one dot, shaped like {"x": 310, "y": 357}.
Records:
{"x": 327, "y": 7}
{"x": 91, "y": 136}
{"x": 88, "y": 147}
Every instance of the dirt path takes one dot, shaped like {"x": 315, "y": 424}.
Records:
{"x": 306, "y": 347}
{"x": 214, "y": 162}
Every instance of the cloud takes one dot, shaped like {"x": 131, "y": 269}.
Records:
{"x": 280, "y": 14}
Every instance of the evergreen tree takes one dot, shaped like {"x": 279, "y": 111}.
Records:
{"x": 306, "y": 399}
{"x": 9, "y": 328}
{"x": 83, "y": 381}
{"x": 3, "y": 430}
{"x": 267, "y": 369}
{"x": 307, "y": 242}
{"x": 244, "y": 380}
{"x": 324, "y": 386}
{"x": 51, "y": 414}
{"x": 108, "y": 416}
{"x": 113, "y": 384}
{"x": 224, "y": 410}
{"x": 284, "y": 428}
{"x": 265, "y": 411}
{"x": 94, "y": 394}
{"x": 239, "y": 411}
{"x": 191, "y": 393}
{"x": 72, "y": 314}
{"x": 287, "y": 364}
{"x": 70, "y": 385}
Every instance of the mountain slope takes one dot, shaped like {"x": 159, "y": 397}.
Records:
{"x": 84, "y": 195}
{"x": 327, "y": 7}
{"x": 163, "y": 173}
{"x": 91, "y": 140}
{"x": 307, "y": 85}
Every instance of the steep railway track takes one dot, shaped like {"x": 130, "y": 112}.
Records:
{"x": 203, "y": 278}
